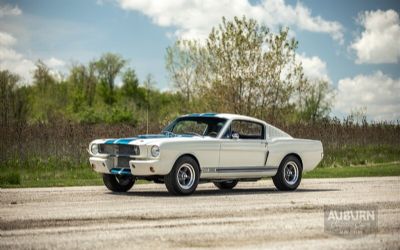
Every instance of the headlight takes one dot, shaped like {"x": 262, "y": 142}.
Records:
{"x": 155, "y": 151}
{"x": 94, "y": 149}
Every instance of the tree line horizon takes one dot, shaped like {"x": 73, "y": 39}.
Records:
{"x": 242, "y": 67}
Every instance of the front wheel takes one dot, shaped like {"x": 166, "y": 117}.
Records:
{"x": 118, "y": 183}
{"x": 184, "y": 177}
{"x": 289, "y": 174}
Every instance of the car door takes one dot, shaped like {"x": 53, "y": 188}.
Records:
{"x": 243, "y": 148}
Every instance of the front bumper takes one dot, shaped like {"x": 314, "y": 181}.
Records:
{"x": 145, "y": 167}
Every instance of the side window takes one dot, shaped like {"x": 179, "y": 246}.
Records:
{"x": 273, "y": 132}
{"x": 247, "y": 129}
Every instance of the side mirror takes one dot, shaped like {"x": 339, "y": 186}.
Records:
{"x": 235, "y": 136}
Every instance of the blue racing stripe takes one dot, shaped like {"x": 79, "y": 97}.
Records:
{"x": 155, "y": 136}
{"x": 110, "y": 141}
{"x": 124, "y": 140}
{"x": 203, "y": 115}
{"x": 209, "y": 114}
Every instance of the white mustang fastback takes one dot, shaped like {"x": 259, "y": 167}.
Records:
{"x": 209, "y": 147}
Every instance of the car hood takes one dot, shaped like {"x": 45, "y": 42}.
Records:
{"x": 150, "y": 138}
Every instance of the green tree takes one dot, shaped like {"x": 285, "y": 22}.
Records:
{"x": 48, "y": 95}
{"x": 108, "y": 67}
{"x": 185, "y": 63}
{"x": 14, "y": 106}
{"x": 317, "y": 101}
{"x": 130, "y": 83}
{"x": 83, "y": 83}
{"x": 242, "y": 68}
{"x": 312, "y": 99}
{"x": 42, "y": 77}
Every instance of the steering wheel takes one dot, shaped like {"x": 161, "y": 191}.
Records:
{"x": 213, "y": 134}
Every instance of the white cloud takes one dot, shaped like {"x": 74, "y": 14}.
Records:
{"x": 317, "y": 24}
{"x": 314, "y": 67}
{"x": 16, "y": 62}
{"x": 54, "y": 62}
{"x": 12, "y": 60}
{"x": 23, "y": 68}
{"x": 9, "y": 58}
{"x": 378, "y": 93}
{"x": 194, "y": 19}
{"x": 380, "y": 41}
{"x": 6, "y": 39}
{"x": 56, "y": 66}
{"x": 7, "y": 54}
{"x": 8, "y": 10}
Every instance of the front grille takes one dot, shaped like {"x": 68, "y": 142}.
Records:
{"x": 119, "y": 149}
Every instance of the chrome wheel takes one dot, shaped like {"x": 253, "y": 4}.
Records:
{"x": 291, "y": 172}
{"x": 186, "y": 176}
{"x": 183, "y": 177}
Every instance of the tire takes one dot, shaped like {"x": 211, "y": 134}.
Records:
{"x": 224, "y": 185}
{"x": 184, "y": 177}
{"x": 289, "y": 174}
{"x": 118, "y": 183}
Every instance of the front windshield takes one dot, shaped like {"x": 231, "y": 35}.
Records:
{"x": 202, "y": 126}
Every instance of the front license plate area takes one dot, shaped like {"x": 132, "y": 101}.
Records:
{"x": 121, "y": 162}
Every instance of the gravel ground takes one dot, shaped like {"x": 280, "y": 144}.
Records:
{"x": 253, "y": 215}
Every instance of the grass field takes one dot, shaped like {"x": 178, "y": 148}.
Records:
{"x": 382, "y": 169}
{"x": 44, "y": 176}
{"x": 345, "y": 161}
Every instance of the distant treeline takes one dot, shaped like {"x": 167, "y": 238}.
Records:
{"x": 241, "y": 68}
{"x": 87, "y": 95}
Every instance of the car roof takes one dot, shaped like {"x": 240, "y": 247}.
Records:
{"x": 226, "y": 116}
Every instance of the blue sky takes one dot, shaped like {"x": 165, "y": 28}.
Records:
{"x": 335, "y": 39}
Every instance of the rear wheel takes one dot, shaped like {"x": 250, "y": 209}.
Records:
{"x": 289, "y": 174}
{"x": 226, "y": 184}
{"x": 184, "y": 177}
{"x": 118, "y": 183}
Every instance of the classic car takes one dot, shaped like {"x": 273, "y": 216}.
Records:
{"x": 208, "y": 147}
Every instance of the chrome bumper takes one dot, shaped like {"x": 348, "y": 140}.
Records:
{"x": 136, "y": 167}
